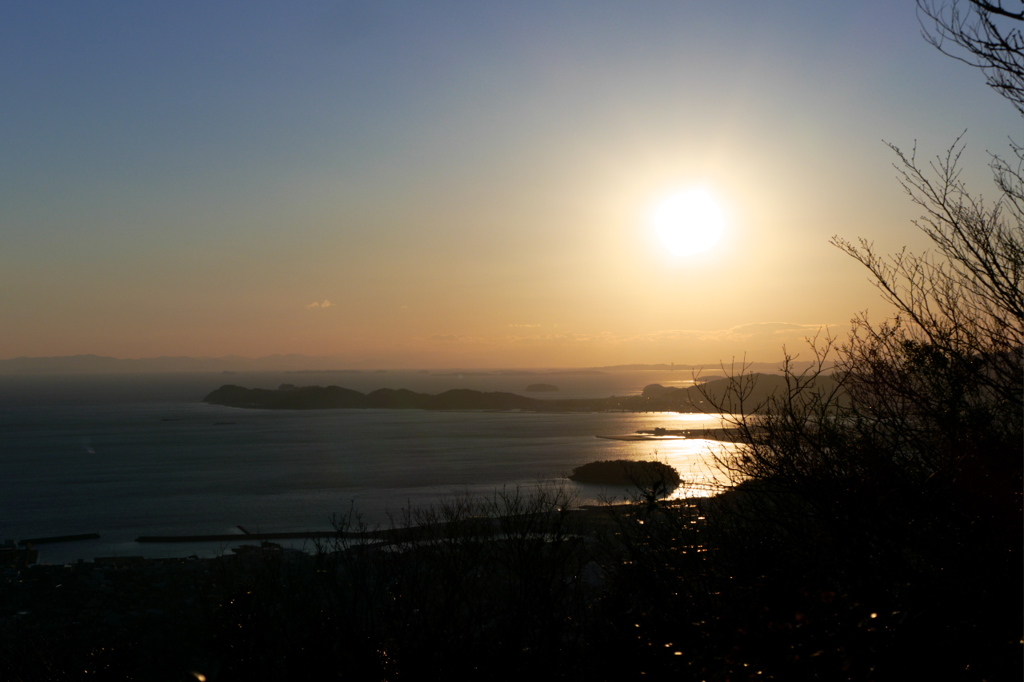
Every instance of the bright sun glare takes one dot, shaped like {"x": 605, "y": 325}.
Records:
{"x": 689, "y": 222}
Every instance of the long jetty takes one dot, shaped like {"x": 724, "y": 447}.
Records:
{"x": 410, "y": 533}
{"x": 235, "y": 537}
{"x": 393, "y": 534}
{"x": 60, "y": 538}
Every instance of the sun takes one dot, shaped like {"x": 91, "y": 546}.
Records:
{"x": 689, "y": 222}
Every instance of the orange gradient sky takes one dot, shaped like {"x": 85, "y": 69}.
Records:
{"x": 458, "y": 184}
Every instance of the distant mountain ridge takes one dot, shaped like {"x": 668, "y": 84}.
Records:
{"x": 99, "y": 364}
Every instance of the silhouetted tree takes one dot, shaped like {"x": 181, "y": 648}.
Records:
{"x": 897, "y": 483}
{"x": 984, "y": 34}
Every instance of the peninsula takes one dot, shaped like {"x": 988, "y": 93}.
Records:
{"x": 712, "y": 396}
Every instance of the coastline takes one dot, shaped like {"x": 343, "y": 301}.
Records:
{"x": 125, "y": 471}
{"x": 724, "y": 435}
{"x": 586, "y": 518}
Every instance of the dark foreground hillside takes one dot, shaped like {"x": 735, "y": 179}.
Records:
{"x": 518, "y": 587}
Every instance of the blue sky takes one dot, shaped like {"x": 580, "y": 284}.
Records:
{"x": 465, "y": 183}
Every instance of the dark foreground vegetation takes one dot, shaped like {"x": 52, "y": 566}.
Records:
{"x": 750, "y": 585}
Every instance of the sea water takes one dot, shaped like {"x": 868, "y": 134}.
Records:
{"x": 132, "y": 456}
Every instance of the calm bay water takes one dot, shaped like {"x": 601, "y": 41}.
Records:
{"x": 96, "y": 455}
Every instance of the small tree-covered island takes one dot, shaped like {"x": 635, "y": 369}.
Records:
{"x": 643, "y": 475}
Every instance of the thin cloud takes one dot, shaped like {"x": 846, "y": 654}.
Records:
{"x": 454, "y": 338}
{"x": 564, "y": 338}
{"x": 319, "y": 304}
{"x": 777, "y": 328}
{"x": 763, "y": 331}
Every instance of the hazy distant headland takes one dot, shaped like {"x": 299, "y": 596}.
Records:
{"x": 704, "y": 397}
{"x": 541, "y": 388}
{"x": 98, "y": 364}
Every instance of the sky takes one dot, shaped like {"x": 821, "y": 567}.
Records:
{"x": 459, "y": 183}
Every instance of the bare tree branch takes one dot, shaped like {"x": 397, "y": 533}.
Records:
{"x": 982, "y": 34}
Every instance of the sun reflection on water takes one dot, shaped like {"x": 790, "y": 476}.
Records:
{"x": 695, "y": 445}
{"x": 698, "y": 446}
